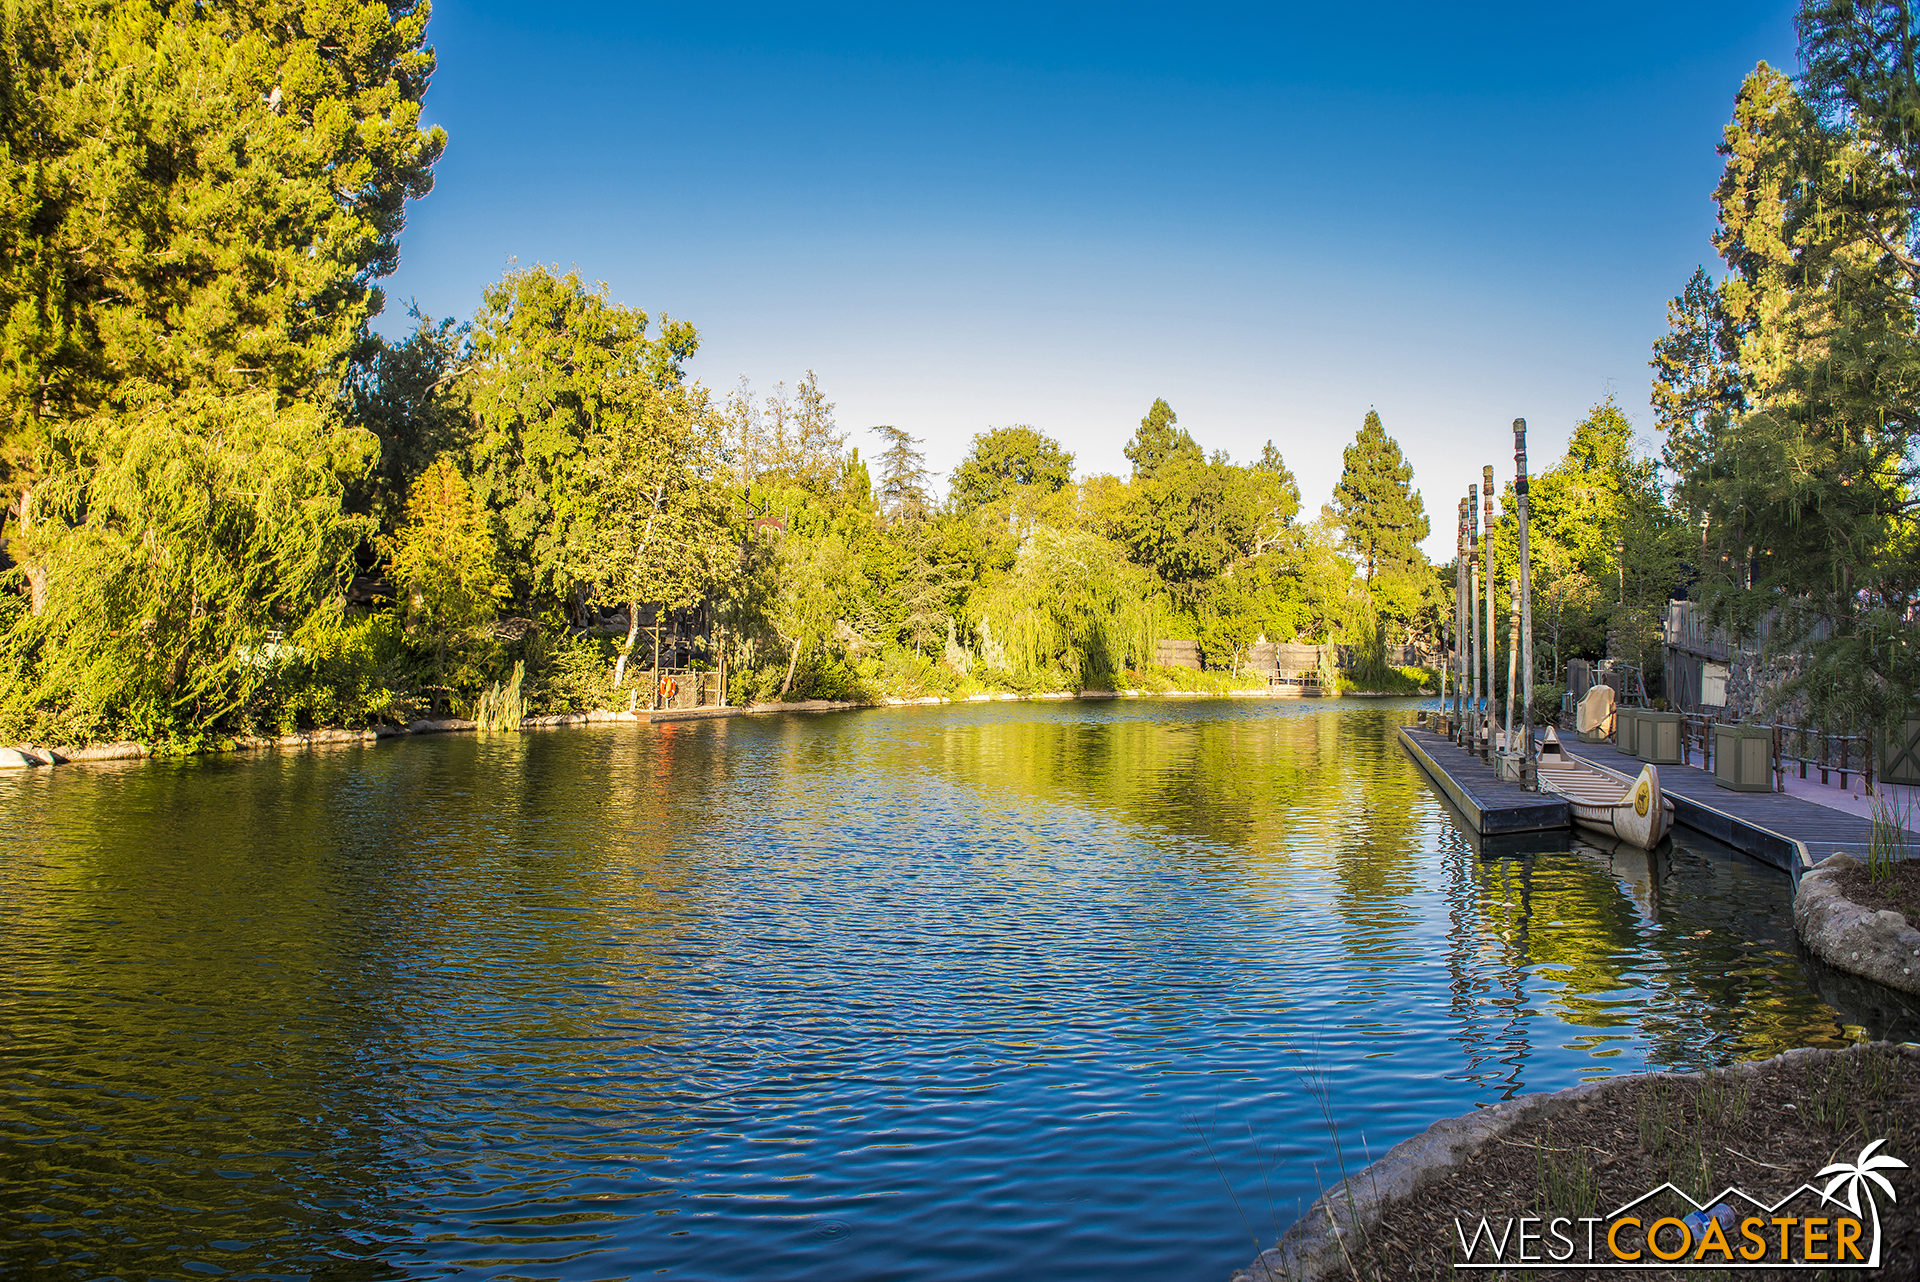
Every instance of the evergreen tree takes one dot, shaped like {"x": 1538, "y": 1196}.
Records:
{"x": 903, "y": 476}
{"x": 1379, "y": 512}
{"x": 197, "y": 196}
{"x": 1157, "y": 440}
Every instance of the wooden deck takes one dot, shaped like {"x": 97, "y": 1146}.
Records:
{"x": 1491, "y": 806}
{"x": 1791, "y": 833}
{"x": 1788, "y": 832}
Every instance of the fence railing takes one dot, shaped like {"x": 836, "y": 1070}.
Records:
{"x": 1793, "y": 747}
{"x": 691, "y": 688}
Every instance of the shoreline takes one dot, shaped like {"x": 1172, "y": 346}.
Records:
{"x": 27, "y": 757}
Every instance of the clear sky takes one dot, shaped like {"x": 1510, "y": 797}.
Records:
{"x": 972, "y": 216}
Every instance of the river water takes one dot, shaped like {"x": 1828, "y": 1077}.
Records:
{"x": 1071, "y": 990}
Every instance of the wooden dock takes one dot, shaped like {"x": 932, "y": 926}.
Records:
{"x": 1790, "y": 833}
{"x": 1490, "y": 805}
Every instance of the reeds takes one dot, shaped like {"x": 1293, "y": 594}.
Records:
{"x": 501, "y": 707}
{"x": 1886, "y": 837}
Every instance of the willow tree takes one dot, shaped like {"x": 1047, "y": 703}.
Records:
{"x": 196, "y": 205}
{"x": 190, "y": 531}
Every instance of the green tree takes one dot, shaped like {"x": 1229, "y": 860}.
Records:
{"x": 551, "y": 363}
{"x": 1382, "y": 521}
{"x": 654, "y": 498}
{"x": 404, "y": 394}
{"x": 903, "y": 476}
{"x": 446, "y": 568}
{"x": 1157, "y": 441}
{"x": 197, "y": 197}
{"x": 173, "y": 542}
{"x": 1005, "y": 459}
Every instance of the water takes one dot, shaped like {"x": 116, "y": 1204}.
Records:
{"x": 989, "y": 991}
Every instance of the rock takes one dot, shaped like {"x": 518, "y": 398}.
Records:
{"x": 126, "y": 750}
{"x": 1876, "y": 945}
{"x": 42, "y": 756}
{"x": 443, "y": 725}
{"x": 14, "y": 759}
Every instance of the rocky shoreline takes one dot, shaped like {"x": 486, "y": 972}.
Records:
{"x": 30, "y": 755}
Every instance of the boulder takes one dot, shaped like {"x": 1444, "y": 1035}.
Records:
{"x": 1878, "y": 945}
{"x": 14, "y": 759}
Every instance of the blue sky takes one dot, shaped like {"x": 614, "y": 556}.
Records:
{"x": 971, "y": 217}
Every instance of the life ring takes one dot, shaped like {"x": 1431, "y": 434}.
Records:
{"x": 668, "y": 688}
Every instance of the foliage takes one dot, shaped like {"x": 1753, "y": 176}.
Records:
{"x": 652, "y": 494}
{"x": 550, "y": 366}
{"x": 1382, "y": 521}
{"x": 356, "y": 672}
{"x": 446, "y": 570}
{"x": 1005, "y": 460}
{"x": 172, "y": 543}
{"x": 1801, "y": 477}
{"x": 501, "y": 706}
{"x": 198, "y": 197}
{"x": 1158, "y": 441}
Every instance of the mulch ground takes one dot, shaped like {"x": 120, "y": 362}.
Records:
{"x": 1765, "y": 1132}
{"x": 1899, "y": 891}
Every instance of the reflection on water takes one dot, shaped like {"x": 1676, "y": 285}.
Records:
{"x": 954, "y": 992}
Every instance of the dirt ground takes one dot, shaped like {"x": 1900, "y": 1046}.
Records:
{"x": 1765, "y": 1132}
{"x": 1900, "y": 892}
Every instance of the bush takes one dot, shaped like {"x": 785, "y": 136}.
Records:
{"x": 575, "y": 674}
{"x": 355, "y": 672}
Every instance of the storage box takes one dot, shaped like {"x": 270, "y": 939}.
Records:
{"x": 1657, "y": 737}
{"x": 1743, "y": 758}
{"x": 1626, "y": 734}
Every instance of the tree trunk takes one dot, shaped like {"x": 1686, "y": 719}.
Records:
{"x": 633, "y": 638}
{"x": 36, "y": 574}
{"x": 792, "y": 663}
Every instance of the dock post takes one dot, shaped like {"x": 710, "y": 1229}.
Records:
{"x": 1526, "y": 596}
{"x": 1486, "y": 559}
{"x": 1472, "y": 743}
{"x": 1460, "y": 647}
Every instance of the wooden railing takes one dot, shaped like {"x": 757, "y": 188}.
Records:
{"x": 1848, "y": 755}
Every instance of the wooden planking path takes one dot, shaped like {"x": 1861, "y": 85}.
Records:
{"x": 1785, "y": 831}
{"x": 1489, "y": 804}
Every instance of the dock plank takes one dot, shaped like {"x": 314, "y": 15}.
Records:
{"x": 1490, "y": 804}
{"x": 1788, "y": 832}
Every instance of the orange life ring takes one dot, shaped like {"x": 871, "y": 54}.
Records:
{"x": 668, "y": 687}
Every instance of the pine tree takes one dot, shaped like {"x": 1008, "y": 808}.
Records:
{"x": 1157, "y": 440}
{"x": 1376, "y": 506}
{"x": 903, "y": 476}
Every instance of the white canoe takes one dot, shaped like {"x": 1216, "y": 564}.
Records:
{"x": 1634, "y": 810}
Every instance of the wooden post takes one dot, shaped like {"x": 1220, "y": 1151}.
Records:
{"x": 1460, "y": 647}
{"x": 1526, "y": 591}
{"x": 654, "y": 697}
{"x": 1486, "y": 560}
{"x": 720, "y": 639}
{"x": 1473, "y": 611}
{"x": 1513, "y": 660}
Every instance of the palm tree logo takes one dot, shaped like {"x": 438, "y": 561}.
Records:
{"x": 1863, "y": 1173}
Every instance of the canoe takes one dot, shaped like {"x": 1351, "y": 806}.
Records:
{"x": 1634, "y": 810}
